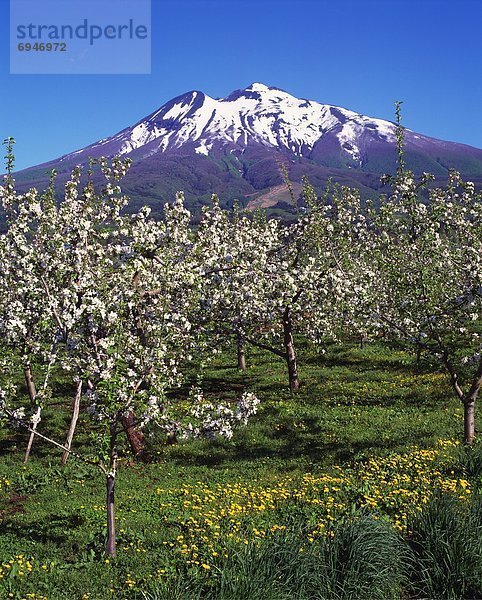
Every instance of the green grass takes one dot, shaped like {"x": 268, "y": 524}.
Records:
{"x": 446, "y": 542}
{"x": 363, "y": 559}
{"x": 354, "y": 406}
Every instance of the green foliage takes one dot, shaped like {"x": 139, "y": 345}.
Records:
{"x": 470, "y": 459}
{"x": 446, "y": 540}
{"x": 9, "y": 157}
{"x": 355, "y": 405}
{"x": 400, "y": 137}
{"x": 363, "y": 559}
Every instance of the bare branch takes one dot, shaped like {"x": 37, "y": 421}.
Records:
{"x": 265, "y": 347}
{"x": 26, "y": 426}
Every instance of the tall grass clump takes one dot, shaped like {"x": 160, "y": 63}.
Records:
{"x": 269, "y": 570}
{"x": 258, "y": 570}
{"x": 470, "y": 462}
{"x": 362, "y": 558}
{"x": 446, "y": 541}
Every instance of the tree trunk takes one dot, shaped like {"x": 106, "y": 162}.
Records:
{"x": 469, "y": 420}
{"x": 73, "y": 422}
{"x": 32, "y": 436}
{"x": 241, "y": 351}
{"x": 110, "y": 545}
{"x": 32, "y": 393}
{"x": 419, "y": 355}
{"x": 290, "y": 351}
{"x": 134, "y": 435}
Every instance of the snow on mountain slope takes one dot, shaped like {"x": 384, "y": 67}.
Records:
{"x": 258, "y": 114}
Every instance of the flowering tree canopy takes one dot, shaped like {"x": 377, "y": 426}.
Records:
{"x": 108, "y": 297}
{"x": 423, "y": 260}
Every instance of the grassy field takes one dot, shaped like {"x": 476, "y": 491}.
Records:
{"x": 362, "y": 450}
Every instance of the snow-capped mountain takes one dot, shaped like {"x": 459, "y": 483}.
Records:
{"x": 258, "y": 114}
{"x": 234, "y": 146}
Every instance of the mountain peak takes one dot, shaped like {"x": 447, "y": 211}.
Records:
{"x": 258, "y": 91}
{"x": 258, "y": 87}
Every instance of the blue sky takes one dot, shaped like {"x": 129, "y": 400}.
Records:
{"x": 359, "y": 54}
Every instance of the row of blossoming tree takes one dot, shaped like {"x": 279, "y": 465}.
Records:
{"x": 122, "y": 303}
{"x": 110, "y": 299}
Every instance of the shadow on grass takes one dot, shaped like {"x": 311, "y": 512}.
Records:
{"x": 12, "y": 444}
{"x": 55, "y": 529}
{"x": 361, "y": 361}
{"x": 213, "y": 385}
{"x": 291, "y": 445}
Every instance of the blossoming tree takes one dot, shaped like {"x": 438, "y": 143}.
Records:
{"x": 265, "y": 280}
{"x": 232, "y": 252}
{"x": 115, "y": 295}
{"x": 424, "y": 266}
{"x": 23, "y": 263}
